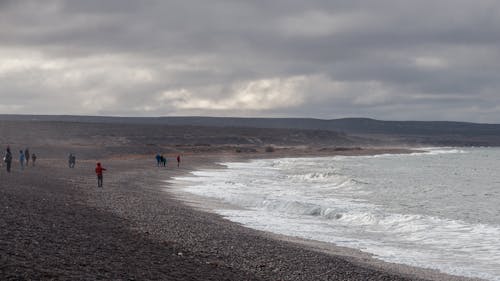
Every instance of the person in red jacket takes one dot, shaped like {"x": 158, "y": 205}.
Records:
{"x": 98, "y": 170}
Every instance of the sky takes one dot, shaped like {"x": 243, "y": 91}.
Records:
{"x": 383, "y": 59}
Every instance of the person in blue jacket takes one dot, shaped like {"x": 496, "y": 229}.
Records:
{"x": 158, "y": 159}
{"x": 21, "y": 159}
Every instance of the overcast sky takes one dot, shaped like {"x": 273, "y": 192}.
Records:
{"x": 384, "y": 59}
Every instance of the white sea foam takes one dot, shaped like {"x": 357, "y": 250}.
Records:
{"x": 444, "y": 150}
{"x": 439, "y": 210}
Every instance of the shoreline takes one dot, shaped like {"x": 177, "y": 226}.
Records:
{"x": 361, "y": 258}
{"x": 58, "y": 225}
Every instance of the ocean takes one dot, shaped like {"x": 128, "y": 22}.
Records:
{"x": 438, "y": 210}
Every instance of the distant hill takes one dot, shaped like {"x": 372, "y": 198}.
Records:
{"x": 403, "y": 132}
{"x": 97, "y": 138}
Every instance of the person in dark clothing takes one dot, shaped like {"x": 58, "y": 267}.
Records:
{"x": 71, "y": 160}
{"x": 27, "y": 156}
{"x": 98, "y": 170}
{"x": 33, "y": 159}
{"x": 8, "y": 159}
{"x": 163, "y": 161}
{"x": 178, "y": 161}
{"x": 158, "y": 159}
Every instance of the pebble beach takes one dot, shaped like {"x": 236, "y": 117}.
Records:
{"x": 58, "y": 225}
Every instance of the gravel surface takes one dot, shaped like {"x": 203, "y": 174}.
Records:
{"x": 56, "y": 224}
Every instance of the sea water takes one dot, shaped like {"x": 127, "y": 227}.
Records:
{"x": 438, "y": 210}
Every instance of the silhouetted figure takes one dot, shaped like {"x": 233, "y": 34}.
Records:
{"x": 163, "y": 161}
{"x": 27, "y": 156}
{"x": 8, "y": 159}
{"x": 158, "y": 159}
{"x": 178, "y": 161}
{"x": 21, "y": 159}
{"x": 71, "y": 160}
{"x": 33, "y": 159}
{"x": 98, "y": 170}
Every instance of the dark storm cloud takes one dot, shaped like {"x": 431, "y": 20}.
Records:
{"x": 384, "y": 59}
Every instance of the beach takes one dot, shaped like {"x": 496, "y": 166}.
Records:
{"x": 56, "y": 224}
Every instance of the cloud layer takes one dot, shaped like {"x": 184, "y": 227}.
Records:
{"x": 420, "y": 60}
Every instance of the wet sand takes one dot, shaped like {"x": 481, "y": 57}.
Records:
{"x": 56, "y": 224}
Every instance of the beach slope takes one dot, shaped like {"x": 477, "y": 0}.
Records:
{"x": 56, "y": 224}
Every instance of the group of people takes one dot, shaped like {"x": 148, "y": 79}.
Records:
{"x": 161, "y": 161}
{"x": 24, "y": 157}
{"x": 99, "y": 169}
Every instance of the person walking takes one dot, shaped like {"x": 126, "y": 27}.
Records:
{"x": 98, "y": 170}
{"x": 163, "y": 161}
{"x": 33, "y": 159}
{"x": 178, "y": 161}
{"x": 158, "y": 159}
{"x": 71, "y": 160}
{"x": 21, "y": 159}
{"x": 27, "y": 156}
{"x": 8, "y": 159}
